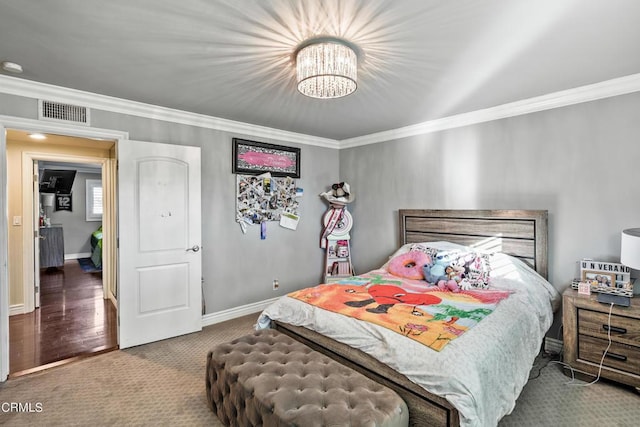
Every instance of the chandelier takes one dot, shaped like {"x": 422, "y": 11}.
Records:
{"x": 326, "y": 68}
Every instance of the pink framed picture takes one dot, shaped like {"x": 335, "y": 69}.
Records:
{"x": 251, "y": 157}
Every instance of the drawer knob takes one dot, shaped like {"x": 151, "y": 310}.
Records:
{"x": 614, "y": 329}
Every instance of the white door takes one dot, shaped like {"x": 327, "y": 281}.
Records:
{"x": 159, "y": 294}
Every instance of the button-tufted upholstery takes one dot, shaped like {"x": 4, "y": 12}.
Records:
{"x": 269, "y": 379}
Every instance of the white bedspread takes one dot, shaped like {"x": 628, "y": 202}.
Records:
{"x": 482, "y": 372}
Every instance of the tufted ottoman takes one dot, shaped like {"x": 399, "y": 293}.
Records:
{"x": 269, "y": 379}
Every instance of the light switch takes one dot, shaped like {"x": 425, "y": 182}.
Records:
{"x": 17, "y": 220}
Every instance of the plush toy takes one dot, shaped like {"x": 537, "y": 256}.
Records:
{"x": 409, "y": 265}
{"x": 454, "y": 277}
{"x": 436, "y": 272}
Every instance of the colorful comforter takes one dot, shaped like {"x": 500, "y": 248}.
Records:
{"x": 412, "y": 308}
{"x": 481, "y": 372}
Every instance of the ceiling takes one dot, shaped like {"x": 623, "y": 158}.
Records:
{"x": 419, "y": 59}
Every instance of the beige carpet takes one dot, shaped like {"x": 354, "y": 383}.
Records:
{"x": 162, "y": 384}
{"x": 552, "y": 399}
{"x": 157, "y": 384}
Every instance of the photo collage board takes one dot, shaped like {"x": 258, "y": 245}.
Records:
{"x": 263, "y": 198}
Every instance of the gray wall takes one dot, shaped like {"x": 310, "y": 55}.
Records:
{"x": 581, "y": 163}
{"x": 239, "y": 268}
{"x": 77, "y": 230}
{"x": 578, "y": 162}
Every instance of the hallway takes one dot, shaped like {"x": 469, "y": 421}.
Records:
{"x": 73, "y": 321}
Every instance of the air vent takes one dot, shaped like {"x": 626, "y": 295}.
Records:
{"x": 59, "y": 112}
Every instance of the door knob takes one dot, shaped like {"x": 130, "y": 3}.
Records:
{"x": 194, "y": 248}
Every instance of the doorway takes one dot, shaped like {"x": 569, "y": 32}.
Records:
{"x": 17, "y": 264}
{"x": 74, "y": 313}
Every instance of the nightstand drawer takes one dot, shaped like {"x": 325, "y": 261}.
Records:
{"x": 585, "y": 321}
{"x": 623, "y": 357}
{"x": 623, "y": 329}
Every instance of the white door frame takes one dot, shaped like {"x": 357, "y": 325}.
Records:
{"x": 18, "y": 123}
{"x": 35, "y": 222}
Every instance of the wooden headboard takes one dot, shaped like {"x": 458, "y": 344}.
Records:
{"x": 520, "y": 233}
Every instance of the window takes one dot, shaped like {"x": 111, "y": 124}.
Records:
{"x": 94, "y": 200}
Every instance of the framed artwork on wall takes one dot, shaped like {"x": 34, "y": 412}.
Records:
{"x": 251, "y": 157}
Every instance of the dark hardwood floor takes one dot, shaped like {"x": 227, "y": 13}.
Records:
{"x": 73, "y": 321}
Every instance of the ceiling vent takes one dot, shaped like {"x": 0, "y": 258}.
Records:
{"x": 59, "y": 112}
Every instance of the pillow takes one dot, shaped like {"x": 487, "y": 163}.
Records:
{"x": 409, "y": 265}
{"x": 467, "y": 268}
{"x": 420, "y": 246}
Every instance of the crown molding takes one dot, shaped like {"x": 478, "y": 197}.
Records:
{"x": 587, "y": 93}
{"x": 593, "y": 92}
{"x": 61, "y": 128}
{"x": 37, "y": 90}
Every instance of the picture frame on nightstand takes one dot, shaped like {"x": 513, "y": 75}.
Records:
{"x": 605, "y": 277}
{"x": 599, "y": 279}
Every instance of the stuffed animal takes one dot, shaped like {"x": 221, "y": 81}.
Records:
{"x": 454, "y": 277}
{"x": 435, "y": 272}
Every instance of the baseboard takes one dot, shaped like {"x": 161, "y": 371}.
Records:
{"x": 16, "y": 309}
{"x": 77, "y": 256}
{"x": 233, "y": 313}
{"x": 552, "y": 345}
{"x": 207, "y": 319}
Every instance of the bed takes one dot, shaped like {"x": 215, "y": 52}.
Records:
{"x": 476, "y": 379}
{"x": 96, "y": 248}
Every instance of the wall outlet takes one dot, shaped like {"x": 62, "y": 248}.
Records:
{"x": 276, "y": 285}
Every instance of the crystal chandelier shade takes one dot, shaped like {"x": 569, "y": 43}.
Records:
{"x": 326, "y": 69}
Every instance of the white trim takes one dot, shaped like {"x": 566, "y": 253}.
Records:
{"x": 606, "y": 89}
{"x": 233, "y": 313}
{"x": 77, "y": 256}
{"x": 593, "y": 92}
{"x": 5, "y": 310}
{"x": 67, "y": 129}
{"x": 16, "y": 309}
{"x": 31, "y": 89}
{"x": 29, "y": 208}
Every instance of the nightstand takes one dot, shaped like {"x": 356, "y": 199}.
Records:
{"x": 585, "y": 324}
